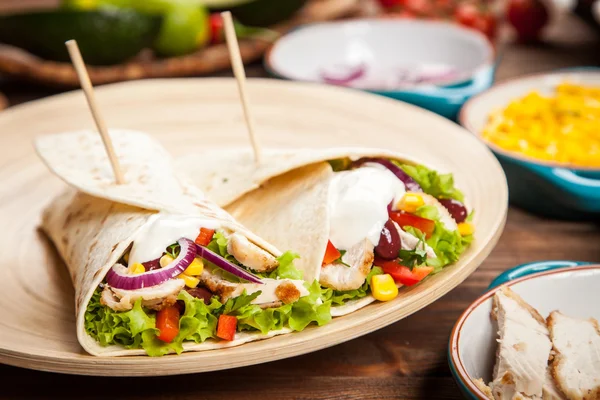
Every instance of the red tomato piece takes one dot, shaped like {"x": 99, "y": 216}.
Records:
{"x": 466, "y": 14}
{"x": 205, "y": 236}
{"x": 331, "y": 254}
{"x": 167, "y": 322}
{"x": 421, "y": 272}
{"x": 226, "y": 327}
{"x": 216, "y": 28}
{"x": 402, "y": 274}
{"x": 528, "y": 17}
{"x": 427, "y": 226}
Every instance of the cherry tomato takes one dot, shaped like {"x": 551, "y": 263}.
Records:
{"x": 390, "y": 3}
{"x": 528, "y": 17}
{"x": 466, "y": 14}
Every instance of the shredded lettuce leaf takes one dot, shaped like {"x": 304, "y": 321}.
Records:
{"x": 448, "y": 245}
{"x": 339, "y": 297}
{"x": 136, "y": 328}
{"x": 433, "y": 183}
{"x": 286, "y": 269}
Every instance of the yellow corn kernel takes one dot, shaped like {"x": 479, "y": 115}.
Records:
{"x": 195, "y": 268}
{"x": 383, "y": 287}
{"x": 190, "y": 281}
{"x": 466, "y": 228}
{"x": 137, "y": 268}
{"x": 165, "y": 260}
{"x": 410, "y": 202}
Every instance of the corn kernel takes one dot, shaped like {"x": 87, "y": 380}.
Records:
{"x": 190, "y": 281}
{"x": 466, "y": 228}
{"x": 383, "y": 287}
{"x": 137, "y": 268}
{"x": 126, "y": 257}
{"x": 410, "y": 202}
{"x": 165, "y": 260}
{"x": 563, "y": 127}
{"x": 195, "y": 268}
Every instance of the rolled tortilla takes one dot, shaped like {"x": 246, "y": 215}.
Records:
{"x": 95, "y": 221}
{"x": 291, "y": 187}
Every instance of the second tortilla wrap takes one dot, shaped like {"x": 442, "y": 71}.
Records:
{"x": 291, "y": 187}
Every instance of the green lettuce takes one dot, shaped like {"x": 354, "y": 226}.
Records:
{"x": 448, "y": 245}
{"x": 286, "y": 269}
{"x": 297, "y": 316}
{"x": 339, "y": 297}
{"x": 136, "y": 328}
{"x": 433, "y": 183}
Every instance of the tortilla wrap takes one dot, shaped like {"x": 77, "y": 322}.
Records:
{"x": 291, "y": 186}
{"x": 94, "y": 221}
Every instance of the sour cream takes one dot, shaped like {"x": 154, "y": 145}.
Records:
{"x": 358, "y": 201}
{"x": 162, "y": 231}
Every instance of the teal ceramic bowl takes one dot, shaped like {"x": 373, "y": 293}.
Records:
{"x": 432, "y": 64}
{"x": 568, "y": 286}
{"x": 543, "y": 188}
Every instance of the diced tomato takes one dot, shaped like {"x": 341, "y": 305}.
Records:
{"x": 421, "y": 272}
{"x": 216, "y": 28}
{"x": 331, "y": 254}
{"x": 226, "y": 327}
{"x": 167, "y": 322}
{"x": 427, "y": 226}
{"x": 205, "y": 236}
{"x": 402, "y": 274}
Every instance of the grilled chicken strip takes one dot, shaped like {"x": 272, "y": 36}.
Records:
{"x": 341, "y": 277}
{"x": 153, "y": 297}
{"x": 250, "y": 255}
{"x": 410, "y": 242}
{"x": 576, "y": 365}
{"x": 272, "y": 290}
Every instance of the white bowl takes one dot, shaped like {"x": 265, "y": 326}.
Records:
{"x": 380, "y": 45}
{"x": 472, "y": 350}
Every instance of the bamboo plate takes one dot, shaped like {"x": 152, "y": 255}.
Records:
{"x": 37, "y": 328}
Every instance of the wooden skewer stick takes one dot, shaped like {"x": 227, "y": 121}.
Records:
{"x": 86, "y": 85}
{"x": 240, "y": 76}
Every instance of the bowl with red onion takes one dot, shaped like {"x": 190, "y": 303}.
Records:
{"x": 432, "y": 64}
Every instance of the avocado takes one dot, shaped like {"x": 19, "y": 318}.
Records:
{"x": 104, "y": 37}
{"x": 257, "y": 12}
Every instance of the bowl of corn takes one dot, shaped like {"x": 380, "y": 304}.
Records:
{"x": 545, "y": 130}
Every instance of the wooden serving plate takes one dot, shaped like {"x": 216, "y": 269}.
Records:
{"x": 37, "y": 328}
{"x": 19, "y": 63}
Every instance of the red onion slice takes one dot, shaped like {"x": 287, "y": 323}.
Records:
{"x": 222, "y": 263}
{"x": 409, "y": 182}
{"x": 118, "y": 277}
{"x": 352, "y": 74}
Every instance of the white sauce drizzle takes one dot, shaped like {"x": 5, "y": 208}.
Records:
{"x": 358, "y": 203}
{"x": 162, "y": 231}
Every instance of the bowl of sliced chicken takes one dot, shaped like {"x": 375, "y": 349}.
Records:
{"x": 533, "y": 335}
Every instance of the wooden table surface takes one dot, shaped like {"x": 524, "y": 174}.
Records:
{"x": 404, "y": 361}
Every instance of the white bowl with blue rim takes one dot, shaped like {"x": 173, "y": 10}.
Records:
{"x": 432, "y": 64}
{"x": 541, "y": 187}
{"x": 568, "y": 286}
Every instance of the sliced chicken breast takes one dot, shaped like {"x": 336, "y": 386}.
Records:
{"x": 250, "y": 255}
{"x": 153, "y": 297}
{"x": 273, "y": 291}
{"x": 524, "y": 349}
{"x": 343, "y": 277}
{"x": 576, "y": 364}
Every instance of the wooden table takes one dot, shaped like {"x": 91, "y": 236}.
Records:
{"x": 406, "y": 360}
